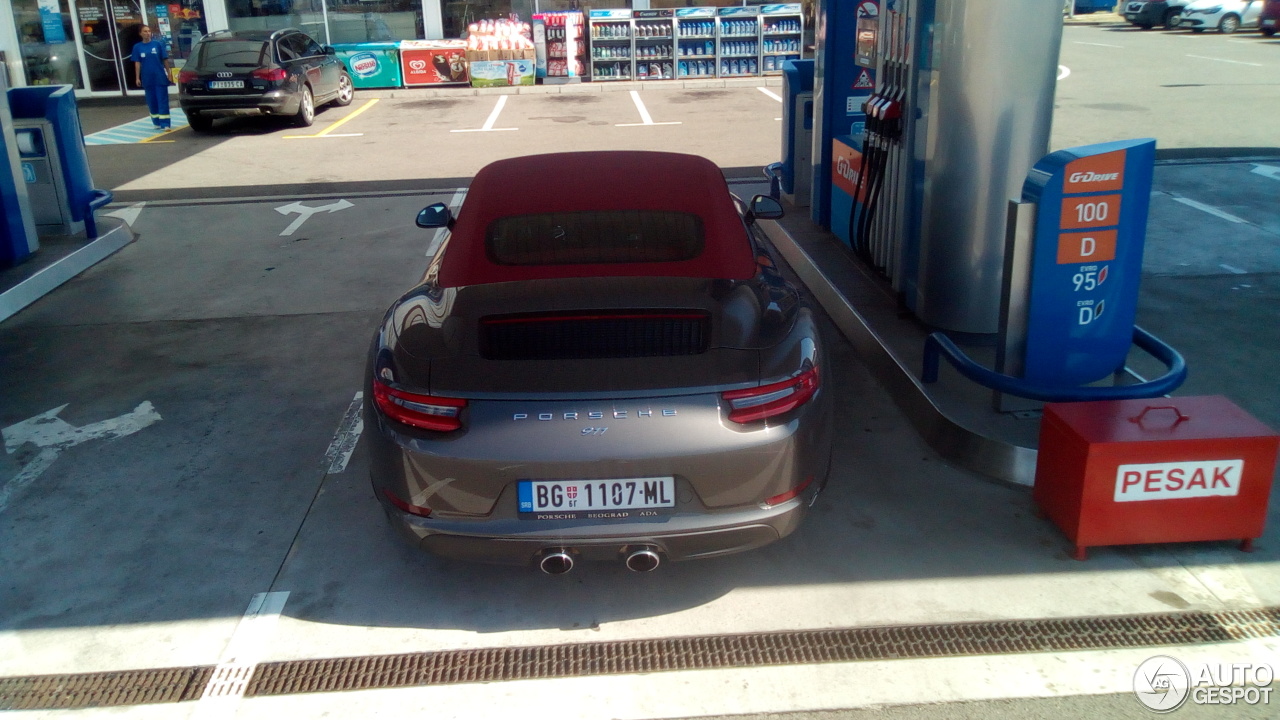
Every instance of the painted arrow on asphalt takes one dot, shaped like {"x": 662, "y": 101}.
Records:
{"x": 52, "y": 435}
{"x": 305, "y": 212}
{"x": 1270, "y": 171}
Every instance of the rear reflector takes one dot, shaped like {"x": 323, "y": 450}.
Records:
{"x": 766, "y": 401}
{"x": 779, "y": 499}
{"x": 428, "y": 412}
{"x": 187, "y": 76}
{"x": 411, "y": 509}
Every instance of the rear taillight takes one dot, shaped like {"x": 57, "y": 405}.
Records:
{"x": 418, "y": 510}
{"x": 187, "y": 76}
{"x": 766, "y": 401}
{"x": 270, "y": 74}
{"x": 428, "y": 412}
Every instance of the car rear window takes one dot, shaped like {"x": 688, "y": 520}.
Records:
{"x": 232, "y": 55}
{"x": 595, "y": 237}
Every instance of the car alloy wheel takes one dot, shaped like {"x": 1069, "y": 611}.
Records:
{"x": 345, "y": 90}
{"x": 306, "y": 109}
{"x": 1172, "y": 19}
{"x": 1229, "y": 24}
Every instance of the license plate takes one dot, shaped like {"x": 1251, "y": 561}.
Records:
{"x": 226, "y": 84}
{"x": 579, "y": 498}
{"x": 1268, "y": 22}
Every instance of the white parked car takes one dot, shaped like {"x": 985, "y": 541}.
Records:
{"x": 1225, "y": 15}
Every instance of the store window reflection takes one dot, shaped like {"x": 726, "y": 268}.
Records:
{"x": 354, "y": 21}
{"x": 48, "y": 45}
{"x": 306, "y": 15}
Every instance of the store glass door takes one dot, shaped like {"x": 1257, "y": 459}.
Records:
{"x": 109, "y": 29}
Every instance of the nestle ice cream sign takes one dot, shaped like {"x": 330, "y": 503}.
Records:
{"x": 364, "y": 64}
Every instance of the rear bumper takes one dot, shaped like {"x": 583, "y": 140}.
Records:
{"x": 722, "y": 475}
{"x": 679, "y": 537}
{"x": 271, "y": 103}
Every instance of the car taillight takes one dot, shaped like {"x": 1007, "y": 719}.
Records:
{"x": 766, "y": 401}
{"x": 428, "y": 412}
{"x": 411, "y": 509}
{"x": 187, "y": 76}
{"x": 270, "y": 74}
{"x": 783, "y": 497}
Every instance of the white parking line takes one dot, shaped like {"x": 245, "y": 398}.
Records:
{"x": 344, "y": 441}
{"x": 770, "y": 93}
{"x": 1063, "y": 71}
{"x": 493, "y": 118}
{"x": 1209, "y": 209}
{"x": 1099, "y": 45}
{"x": 1233, "y": 62}
{"x": 644, "y": 114}
{"x": 222, "y": 695}
{"x": 1233, "y": 269}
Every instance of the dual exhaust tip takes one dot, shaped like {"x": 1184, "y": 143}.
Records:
{"x": 558, "y": 561}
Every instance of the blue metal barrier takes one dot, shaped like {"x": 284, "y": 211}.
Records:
{"x": 939, "y": 344}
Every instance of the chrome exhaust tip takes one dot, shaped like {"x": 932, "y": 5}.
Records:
{"x": 643, "y": 560}
{"x": 555, "y": 562}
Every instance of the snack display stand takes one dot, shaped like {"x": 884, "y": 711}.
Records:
{"x": 500, "y": 53}
{"x": 561, "y": 46}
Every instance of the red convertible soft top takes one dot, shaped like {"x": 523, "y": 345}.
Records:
{"x": 605, "y": 194}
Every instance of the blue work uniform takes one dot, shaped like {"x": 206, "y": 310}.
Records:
{"x": 155, "y": 79}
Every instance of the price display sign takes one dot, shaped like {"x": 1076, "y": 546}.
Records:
{"x": 1086, "y": 264}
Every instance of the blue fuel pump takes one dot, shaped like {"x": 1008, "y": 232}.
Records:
{"x": 845, "y": 75}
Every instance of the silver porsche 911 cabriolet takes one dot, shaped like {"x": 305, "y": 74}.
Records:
{"x": 601, "y": 362}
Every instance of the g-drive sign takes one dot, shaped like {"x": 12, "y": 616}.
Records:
{"x": 1174, "y": 480}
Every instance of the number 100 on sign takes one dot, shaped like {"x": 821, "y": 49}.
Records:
{"x": 1090, "y": 211}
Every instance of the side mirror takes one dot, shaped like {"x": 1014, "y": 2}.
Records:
{"x": 763, "y": 207}
{"x": 436, "y": 215}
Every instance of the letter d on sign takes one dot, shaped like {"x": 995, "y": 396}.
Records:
{"x": 1088, "y": 246}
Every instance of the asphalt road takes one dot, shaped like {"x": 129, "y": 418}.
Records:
{"x": 1197, "y": 94}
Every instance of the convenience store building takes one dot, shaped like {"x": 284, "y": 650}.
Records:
{"x": 86, "y": 43}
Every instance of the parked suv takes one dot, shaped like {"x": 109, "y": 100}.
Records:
{"x": 281, "y": 72}
{"x": 1150, "y": 13}
{"x": 1225, "y": 15}
{"x": 1269, "y": 20}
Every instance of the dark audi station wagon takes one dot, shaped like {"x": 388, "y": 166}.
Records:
{"x": 282, "y": 72}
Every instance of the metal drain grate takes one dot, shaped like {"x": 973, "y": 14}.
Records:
{"x": 759, "y": 649}
{"x": 124, "y": 687}
{"x": 646, "y": 656}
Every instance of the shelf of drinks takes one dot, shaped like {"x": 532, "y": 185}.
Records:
{"x": 771, "y": 64}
